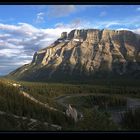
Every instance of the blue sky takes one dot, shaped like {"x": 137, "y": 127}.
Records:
{"x": 47, "y": 16}
{"x": 25, "y": 29}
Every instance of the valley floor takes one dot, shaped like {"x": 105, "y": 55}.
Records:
{"x": 56, "y": 98}
{"x": 132, "y": 103}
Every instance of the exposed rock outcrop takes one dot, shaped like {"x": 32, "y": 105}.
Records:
{"x": 72, "y": 112}
{"x": 85, "y": 53}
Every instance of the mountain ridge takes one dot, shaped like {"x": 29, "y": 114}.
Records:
{"x": 85, "y": 53}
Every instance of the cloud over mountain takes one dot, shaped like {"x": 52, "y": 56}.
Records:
{"x": 19, "y": 42}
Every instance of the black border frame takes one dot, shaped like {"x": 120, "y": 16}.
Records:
{"x": 68, "y": 134}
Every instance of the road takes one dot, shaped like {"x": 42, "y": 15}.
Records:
{"x": 25, "y": 94}
{"x": 132, "y": 103}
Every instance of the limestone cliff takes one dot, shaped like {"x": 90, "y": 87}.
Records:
{"x": 85, "y": 53}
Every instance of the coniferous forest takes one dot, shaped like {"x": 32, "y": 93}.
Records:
{"x": 17, "y": 111}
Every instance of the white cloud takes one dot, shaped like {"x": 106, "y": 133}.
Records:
{"x": 23, "y": 29}
{"x": 74, "y": 24}
{"x": 59, "y": 25}
{"x": 40, "y": 17}
{"x": 112, "y": 23}
{"x": 19, "y": 42}
{"x": 100, "y": 24}
{"x": 61, "y": 10}
{"x": 138, "y": 9}
{"x": 137, "y": 31}
{"x": 65, "y": 10}
{"x": 130, "y": 23}
{"x": 124, "y": 29}
{"x": 9, "y": 52}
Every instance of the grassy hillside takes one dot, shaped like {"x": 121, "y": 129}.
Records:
{"x": 12, "y": 102}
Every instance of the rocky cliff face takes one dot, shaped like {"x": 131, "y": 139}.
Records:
{"x": 85, "y": 53}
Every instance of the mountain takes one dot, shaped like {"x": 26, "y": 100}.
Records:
{"x": 85, "y": 54}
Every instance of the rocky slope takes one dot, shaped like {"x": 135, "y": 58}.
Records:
{"x": 85, "y": 53}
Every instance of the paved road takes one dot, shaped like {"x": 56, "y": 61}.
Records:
{"x": 38, "y": 102}
{"x": 27, "y": 95}
{"x": 116, "y": 115}
{"x": 61, "y": 99}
